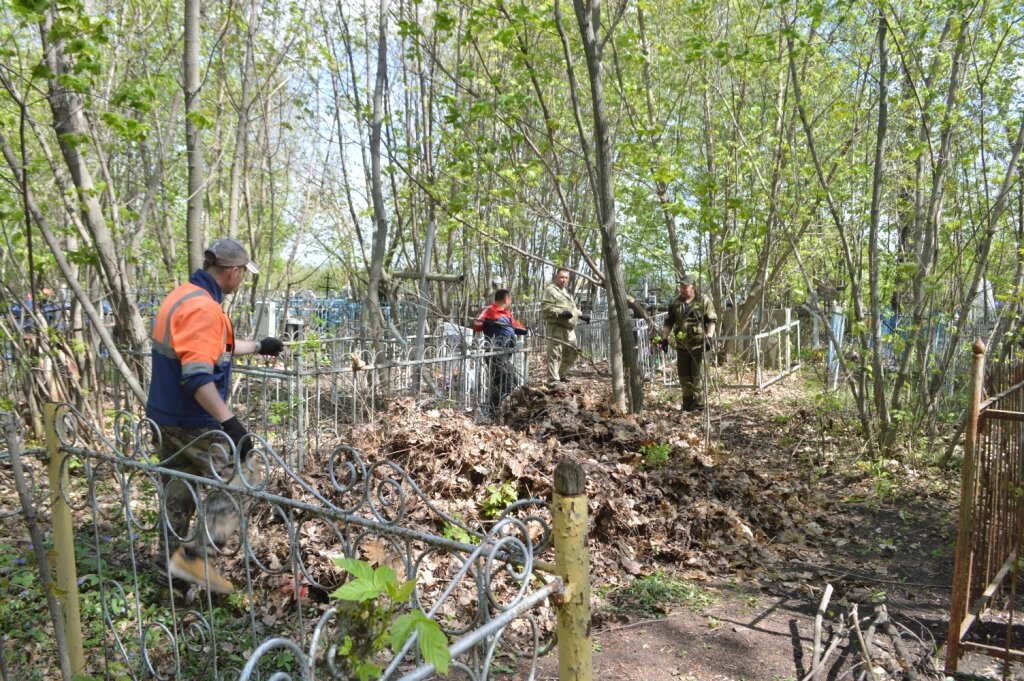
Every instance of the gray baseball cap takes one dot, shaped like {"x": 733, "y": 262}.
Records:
{"x": 229, "y": 253}
{"x": 686, "y": 280}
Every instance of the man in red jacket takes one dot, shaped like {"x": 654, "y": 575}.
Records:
{"x": 500, "y": 329}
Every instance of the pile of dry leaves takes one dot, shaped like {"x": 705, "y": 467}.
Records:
{"x": 700, "y": 511}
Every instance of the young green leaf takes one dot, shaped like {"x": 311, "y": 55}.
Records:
{"x": 404, "y": 591}
{"x": 433, "y": 644}
{"x": 356, "y": 568}
{"x": 402, "y": 628}
{"x": 383, "y": 578}
{"x": 358, "y": 590}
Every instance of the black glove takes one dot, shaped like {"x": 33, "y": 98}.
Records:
{"x": 664, "y": 344}
{"x": 269, "y": 346}
{"x": 239, "y": 435}
{"x": 565, "y": 314}
{"x": 709, "y": 343}
{"x": 585, "y": 318}
{"x": 521, "y": 332}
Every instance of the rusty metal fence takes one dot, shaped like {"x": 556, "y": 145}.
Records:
{"x": 990, "y": 533}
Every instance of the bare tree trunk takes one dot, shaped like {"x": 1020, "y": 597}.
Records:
{"x": 380, "y": 221}
{"x": 240, "y": 160}
{"x": 193, "y": 143}
{"x": 589, "y": 20}
{"x": 95, "y": 317}
{"x": 71, "y": 126}
{"x": 874, "y": 277}
{"x": 661, "y": 187}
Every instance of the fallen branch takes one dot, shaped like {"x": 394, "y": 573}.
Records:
{"x": 863, "y": 645}
{"x": 816, "y": 652}
{"x": 813, "y": 674}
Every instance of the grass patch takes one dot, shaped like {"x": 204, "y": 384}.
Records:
{"x": 656, "y": 594}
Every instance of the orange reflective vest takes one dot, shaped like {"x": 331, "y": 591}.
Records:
{"x": 192, "y": 342}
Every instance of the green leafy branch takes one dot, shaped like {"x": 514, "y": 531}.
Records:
{"x": 372, "y": 624}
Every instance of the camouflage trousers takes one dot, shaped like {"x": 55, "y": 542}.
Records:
{"x": 690, "y": 366}
{"x": 560, "y": 351}
{"x": 206, "y": 454}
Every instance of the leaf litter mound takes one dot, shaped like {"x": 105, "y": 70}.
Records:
{"x": 700, "y": 512}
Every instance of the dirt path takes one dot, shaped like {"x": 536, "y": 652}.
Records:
{"x": 886, "y": 540}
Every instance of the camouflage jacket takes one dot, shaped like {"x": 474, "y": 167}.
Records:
{"x": 553, "y": 302}
{"x": 688, "y": 322}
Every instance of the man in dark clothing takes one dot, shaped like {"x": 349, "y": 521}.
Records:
{"x": 690, "y": 328}
{"x": 193, "y": 343}
{"x": 500, "y": 329}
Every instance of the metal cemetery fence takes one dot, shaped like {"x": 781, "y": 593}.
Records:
{"x": 595, "y": 343}
{"x": 990, "y": 532}
{"x": 302, "y": 400}
{"x": 761, "y": 359}
{"x": 483, "y": 588}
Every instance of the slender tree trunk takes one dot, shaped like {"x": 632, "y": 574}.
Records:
{"x": 241, "y": 155}
{"x": 588, "y": 19}
{"x": 193, "y": 143}
{"x": 71, "y": 126}
{"x": 874, "y": 276}
{"x": 660, "y": 187}
{"x": 95, "y": 316}
{"x": 380, "y": 221}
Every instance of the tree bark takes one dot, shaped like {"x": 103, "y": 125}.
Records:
{"x": 380, "y": 221}
{"x": 589, "y": 20}
{"x": 874, "y": 277}
{"x": 193, "y": 142}
{"x": 71, "y": 126}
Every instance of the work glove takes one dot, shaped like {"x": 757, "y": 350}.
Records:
{"x": 585, "y": 318}
{"x": 709, "y": 343}
{"x": 521, "y": 332}
{"x": 269, "y": 346}
{"x": 239, "y": 435}
{"x": 565, "y": 314}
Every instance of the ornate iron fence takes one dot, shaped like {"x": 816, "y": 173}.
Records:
{"x": 481, "y": 585}
{"x": 301, "y": 401}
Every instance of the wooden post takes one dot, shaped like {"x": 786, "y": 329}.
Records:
{"x": 63, "y": 543}
{"x": 575, "y": 653}
{"x": 964, "y": 549}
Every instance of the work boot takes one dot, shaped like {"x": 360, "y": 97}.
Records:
{"x": 194, "y": 570}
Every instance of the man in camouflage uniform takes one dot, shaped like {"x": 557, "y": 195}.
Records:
{"x": 690, "y": 328}
{"x": 560, "y": 315}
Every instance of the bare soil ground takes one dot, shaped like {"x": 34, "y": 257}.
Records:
{"x": 886, "y": 538}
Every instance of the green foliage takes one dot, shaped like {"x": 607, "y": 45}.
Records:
{"x": 656, "y": 455}
{"x": 278, "y": 411}
{"x": 375, "y": 597}
{"x": 457, "y": 533}
{"x": 654, "y": 594}
{"x": 499, "y": 497}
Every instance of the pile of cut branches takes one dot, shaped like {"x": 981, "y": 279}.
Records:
{"x": 878, "y": 642}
